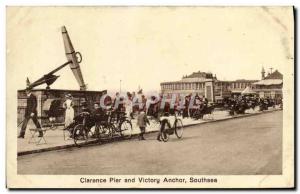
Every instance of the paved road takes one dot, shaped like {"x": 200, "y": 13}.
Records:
{"x": 251, "y": 145}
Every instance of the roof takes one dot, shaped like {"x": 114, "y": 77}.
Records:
{"x": 199, "y": 74}
{"x": 63, "y": 90}
{"x": 275, "y": 75}
{"x": 196, "y": 74}
{"x": 268, "y": 82}
{"x": 237, "y": 81}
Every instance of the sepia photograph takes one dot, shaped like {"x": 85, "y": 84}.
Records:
{"x": 150, "y": 97}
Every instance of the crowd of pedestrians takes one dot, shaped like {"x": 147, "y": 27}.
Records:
{"x": 137, "y": 105}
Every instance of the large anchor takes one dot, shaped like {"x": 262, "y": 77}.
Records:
{"x": 74, "y": 59}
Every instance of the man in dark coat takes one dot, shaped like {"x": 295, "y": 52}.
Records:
{"x": 186, "y": 106}
{"x": 30, "y": 113}
{"x": 98, "y": 115}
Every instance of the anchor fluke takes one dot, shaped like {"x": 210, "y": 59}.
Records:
{"x": 73, "y": 57}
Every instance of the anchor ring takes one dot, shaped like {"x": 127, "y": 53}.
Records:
{"x": 78, "y": 57}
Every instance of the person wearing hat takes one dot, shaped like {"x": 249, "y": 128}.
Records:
{"x": 79, "y": 117}
{"x": 186, "y": 107}
{"x": 97, "y": 115}
{"x": 129, "y": 106}
{"x": 69, "y": 114}
{"x": 30, "y": 113}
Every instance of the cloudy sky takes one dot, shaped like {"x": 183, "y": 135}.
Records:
{"x": 147, "y": 45}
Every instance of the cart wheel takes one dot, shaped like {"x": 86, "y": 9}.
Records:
{"x": 126, "y": 129}
{"x": 79, "y": 135}
{"x": 165, "y": 127}
{"x": 112, "y": 131}
{"x": 104, "y": 132}
{"x": 178, "y": 128}
{"x": 92, "y": 133}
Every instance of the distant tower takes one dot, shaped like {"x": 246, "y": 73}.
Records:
{"x": 263, "y": 73}
{"x": 27, "y": 82}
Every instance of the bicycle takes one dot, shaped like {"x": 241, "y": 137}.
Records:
{"x": 120, "y": 125}
{"x": 166, "y": 129}
{"x": 82, "y": 131}
{"x": 154, "y": 119}
{"x": 155, "y": 123}
{"x": 104, "y": 128}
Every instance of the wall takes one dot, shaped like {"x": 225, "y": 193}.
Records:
{"x": 44, "y": 97}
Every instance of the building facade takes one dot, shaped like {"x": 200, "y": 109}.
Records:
{"x": 205, "y": 85}
{"x": 225, "y": 89}
{"x": 200, "y": 83}
{"x": 270, "y": 85}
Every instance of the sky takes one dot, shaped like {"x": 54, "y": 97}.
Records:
{"x": 144, "y": 46}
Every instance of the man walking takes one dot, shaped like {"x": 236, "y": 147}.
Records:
{"x": 30, "y": 113}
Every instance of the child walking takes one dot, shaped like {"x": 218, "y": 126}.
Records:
{"x": 142, "y": 122}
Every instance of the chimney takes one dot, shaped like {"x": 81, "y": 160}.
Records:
{"x": 263, "y": 73}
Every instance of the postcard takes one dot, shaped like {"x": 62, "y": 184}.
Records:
{"x": 150, "y": 97}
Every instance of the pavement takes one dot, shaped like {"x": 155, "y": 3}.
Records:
{"x": 242, "y": 146}
{"x": 56, "y": 139}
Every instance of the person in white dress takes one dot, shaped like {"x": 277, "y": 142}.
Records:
{"x": 68, "y": 105}
{"x": 128, "y": 107}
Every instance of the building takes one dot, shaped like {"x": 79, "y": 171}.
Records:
{"x": 206, "y": 85}
{"x": 200, "y": 83}
{"x": 229, "y": 88}
{"x": 270, "y": 85}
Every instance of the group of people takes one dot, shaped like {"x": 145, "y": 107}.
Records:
{"x": 238, "y": 104}
{"x": 139, "y": 106}
{"x": 117, "y": 109}
{"x": 31, "y": 113}
{"x": 193, "y": 105}
{"x": 156, "y": 104}
{"x": 132, "y": 105}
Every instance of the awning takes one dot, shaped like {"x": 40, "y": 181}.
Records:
{"x": 236, "y": 91}
{"x": 248, "y": 90}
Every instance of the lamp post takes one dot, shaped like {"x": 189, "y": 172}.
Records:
{"x": 120, "y": 85}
